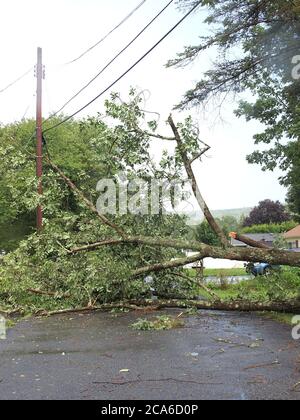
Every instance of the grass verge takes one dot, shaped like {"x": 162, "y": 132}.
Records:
{"x": 217, "y": 272}
{"x": 279, "y": 317}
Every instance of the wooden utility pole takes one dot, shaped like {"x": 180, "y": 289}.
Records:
{"x": 39, "y": 135}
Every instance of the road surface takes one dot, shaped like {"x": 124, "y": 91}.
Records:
{"x": 97, "y": 356}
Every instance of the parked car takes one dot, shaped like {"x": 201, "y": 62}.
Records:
{"x": 261, "y": 269}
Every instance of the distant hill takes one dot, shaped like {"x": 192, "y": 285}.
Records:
{"x": 197, "y": 216}
{"x": 238, "y": 213}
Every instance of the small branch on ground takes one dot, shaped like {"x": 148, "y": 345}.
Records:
{"x": 275, "y": 363}
{"x": 104, "y": 308}
{"x": 296, "y": 387}
{"x": 138, "y": 381}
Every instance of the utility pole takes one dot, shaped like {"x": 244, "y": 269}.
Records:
{"x": 39, "y": 72}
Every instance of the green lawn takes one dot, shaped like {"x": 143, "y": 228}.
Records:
{"x": 217, "y": 272}
{"x": 279, "y": 317}
{"x": 259, "y": 289}
{"x": 230, "y": 272}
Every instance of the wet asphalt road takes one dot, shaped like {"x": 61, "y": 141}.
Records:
{"x": 224, "y": 356}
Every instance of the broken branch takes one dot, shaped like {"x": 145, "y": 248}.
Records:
{"x": 87, "y": 202}
{"x": 271, "y": 256}
{"x": 44, "y": 293}
{"x": 188, "y": 167}
{"x": 248, "y": 241}
{"x": 198, "y": 156}
{"x": 200, "y": 284}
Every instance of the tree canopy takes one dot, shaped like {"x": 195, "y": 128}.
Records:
{"x": 85, "y": 256}
{"x": 258, "y": 44}
{"x": 86, "y": 151}
{"x": 267, "y": 212}
{"x": 204, "y": 233}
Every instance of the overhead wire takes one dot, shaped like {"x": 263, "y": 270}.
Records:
{"x": 109, "y": 33}
{"x": 112, "y": 61}
{"x": 126, "y": 72}
{"x": 16, "y": 80}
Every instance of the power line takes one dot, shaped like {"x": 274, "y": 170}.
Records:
{"x": 126, "y": 72}
{"x": 16, "y": 81}
{"x": 111, "y": 61}
{"x": 109, "y": 33}
{"x": 25, "y": 112}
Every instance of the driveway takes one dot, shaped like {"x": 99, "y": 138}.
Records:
{"x": 225, "y": 356}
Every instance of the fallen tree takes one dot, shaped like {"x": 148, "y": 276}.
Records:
{"x": 258, "y": 252}
{"x": 292, "y": 307}
{"x": 271, "y": 256}
{"x": 238, "y": 306}
{"x": 79, "y": 261}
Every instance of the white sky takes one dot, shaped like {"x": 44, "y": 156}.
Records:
{"x": 65, "y": 28}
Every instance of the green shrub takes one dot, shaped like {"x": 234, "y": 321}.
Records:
{"x": 271, "y": 228}
{"x": 282, "y": 285}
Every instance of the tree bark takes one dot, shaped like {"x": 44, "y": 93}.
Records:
{"x": 271, "y": 256}
{"x": 202, "y": 203}
{"x": 249, "y": 241}
{"x": 238, "y": 306}
{"x": 188, "y": 167}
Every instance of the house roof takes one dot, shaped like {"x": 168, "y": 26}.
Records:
{"x": 259, "y": 237}
{"x": 294, "y": 233}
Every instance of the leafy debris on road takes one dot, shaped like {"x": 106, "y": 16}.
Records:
{"x": 159, "y": 323}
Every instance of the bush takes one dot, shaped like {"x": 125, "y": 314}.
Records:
{"x": 271, "y": 228}
{"x": 282, "y": 285}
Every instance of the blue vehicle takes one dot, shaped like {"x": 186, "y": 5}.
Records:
{"x": 262, "y": 269}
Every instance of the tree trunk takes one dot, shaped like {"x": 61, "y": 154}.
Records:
{"x": 292, "y": 307}
{"x": 239, "y": 306}
{"x": 202, "y": 204}
{"x": 271, "y": 256}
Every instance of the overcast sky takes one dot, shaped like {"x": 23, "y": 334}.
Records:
{"x": 65, "y": 28}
